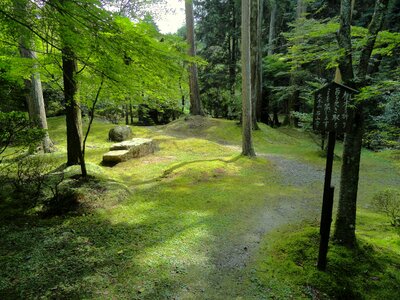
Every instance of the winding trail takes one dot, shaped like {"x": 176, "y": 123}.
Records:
{"x": 232, "y": 255}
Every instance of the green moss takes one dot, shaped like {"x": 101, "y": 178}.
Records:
{"x": 287, "y": 267}
{"x": 158, "y": 226}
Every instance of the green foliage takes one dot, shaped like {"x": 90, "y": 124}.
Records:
{"x": 27, "y": 176}
{"x": 388, "y": 202}
{"x": 16, "y": 130}
{"x": 218, "y": 35}
{"x": 305, "y": 119}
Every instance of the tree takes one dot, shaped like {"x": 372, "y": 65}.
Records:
{"x": 34, "y": 94}
{"x": 346, "y": 217}
{"x": 195, "y": 105}
{"x": 256, "y": 63}
{"x": 272, "y": 25}
{"x": 247, "y": 140}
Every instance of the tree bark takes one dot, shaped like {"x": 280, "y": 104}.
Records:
{"x": 34, "y": 95}
{"x": 247, "y": 141}
{"x": 373, "y": 29}
{"x": 254, "y": 58}
{"x": 195, "y": 105}
{"x": 259, "y": 79}
{"x": 73, "y": 111}
{"x": 272, "y": 25}
{"x": 345, "y": 223}
{"x": 233, "y": 45}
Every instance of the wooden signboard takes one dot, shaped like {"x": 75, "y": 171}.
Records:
{"x": 330, "y": 116}
{"x": 330, "y": 108}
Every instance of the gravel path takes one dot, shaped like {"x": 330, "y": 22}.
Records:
{"x": 233, "y": 254}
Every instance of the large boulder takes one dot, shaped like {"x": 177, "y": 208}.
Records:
{"x": 129, "y": 149}
{"x": 120, "y": 133}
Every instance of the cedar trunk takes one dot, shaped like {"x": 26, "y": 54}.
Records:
{"x": 254, "y": 54}
{"x": 233, "y": 50}
{"x": 345, "y": 224}
{"x": 247, "y": 141}
{"x": 195, "y": 105}
{"x": 272, "y": 25}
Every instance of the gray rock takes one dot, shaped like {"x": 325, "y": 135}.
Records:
{"x": 120, "y": 133}
{"x": 129, "y": 149}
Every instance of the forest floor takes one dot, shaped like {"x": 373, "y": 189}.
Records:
{"x": 195, "y": 220}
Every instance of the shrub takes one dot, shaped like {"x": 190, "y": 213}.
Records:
{"x": 16, "y": 130}
{"x": 388, "y": 202}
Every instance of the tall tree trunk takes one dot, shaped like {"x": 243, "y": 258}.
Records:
{"x": 73, "y": 111}
{"x": 259, "y": 79}
{"x": 131, "y": 111}
{"x": 126, "y": 107}
{"x": 233, "y": 50}
{"x": 195, "y": 105}
{"x": 345, "y": 223}
{"x": 34, "y": 95}
{"x": 247, "y": 140}
{"x": 272, "y": 25}
{"x": 254, "y": 54}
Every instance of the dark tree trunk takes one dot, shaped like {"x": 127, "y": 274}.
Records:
{"x": 131, "y": 111}
{"x": 126, "y": 106}
{"x": 275, "y": 121}
{"x": 73, "y": 111}
{"x": 254, "y": 59}
{"x": 346, "y": 216}
{"x": 272, "y": 25}
{"x": 247, "y": 140}
{"x": 195, "y": 105}
{"x": 233, "y": 50}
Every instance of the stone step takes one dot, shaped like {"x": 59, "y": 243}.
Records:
{"x": 127, "y": 150}
{"x": 116, "y": 156}
{"x": 126, "y": 145}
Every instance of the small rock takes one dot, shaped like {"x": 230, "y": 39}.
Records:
{"x": 120, "y": 133}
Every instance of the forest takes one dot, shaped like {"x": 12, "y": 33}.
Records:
{"x": 254, "y": 153}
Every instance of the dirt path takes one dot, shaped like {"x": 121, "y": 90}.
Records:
{"x": 231, "y": 256}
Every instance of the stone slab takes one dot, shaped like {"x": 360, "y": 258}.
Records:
{"x": 126, "y": 145}
{"x": 116, "y": 156}
{"x": 127, "y": 150}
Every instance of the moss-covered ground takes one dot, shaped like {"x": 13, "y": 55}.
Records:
{"x": 196, "y": 220}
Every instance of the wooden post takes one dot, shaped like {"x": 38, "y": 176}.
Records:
{"x": 327, "y": 204}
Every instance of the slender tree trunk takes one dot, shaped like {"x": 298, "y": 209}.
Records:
{"x": 195, "y": 105}
{"x": 34, "y": 95}
{"x": 272, "y": 25}
{"x": 254, "y": 54}
{"x": 345, "y": 224}
{"x": 259, "y": 79}
{"x": 233, "y": 50}
{"x": 247, "y": 140}
{"x": 131, "y": 111}
{"x": 126, "y": 107}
